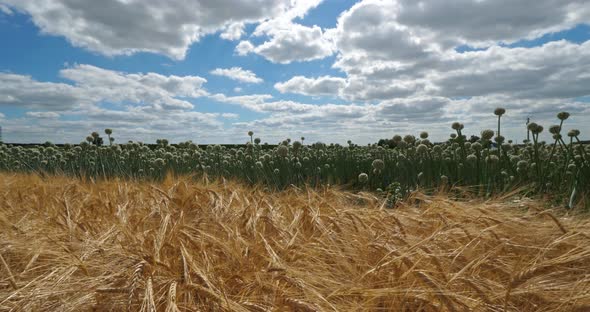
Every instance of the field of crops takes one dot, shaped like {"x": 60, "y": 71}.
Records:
{"x": 475, "y": 225}
{"x": 489, "y": 164}
{"x": 183, "y": 245}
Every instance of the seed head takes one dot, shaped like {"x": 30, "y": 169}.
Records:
{"x": 423, "y": 135}
{"x": 531, "y": 126}
{"x": 250, "y": 133}
{"x": 363, "y": 178}
{"x": 409, "y": 139}
{"x": 487, "y": 134}
{"x": 492, "y": 159}
{"x": 108, "y": 131}
{"x": 378, "y": 164}
{"x": 499, "y": 111}
{"x": 422, "y": 149}
{"x": 283, "y": 151}
{"x": 563, "y": 115}
{"x": 538, "y": 129}
{"x": 573, "y": 133}
{"x": 571, "y": 167}
{"x": 457, "y": 125}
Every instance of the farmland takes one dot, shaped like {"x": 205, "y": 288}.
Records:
{"x": 479, "y": 224}
{"x": 186, "y": 245}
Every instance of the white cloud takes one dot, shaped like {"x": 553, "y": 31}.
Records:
{"x": 141, "y": 106}
{"x": 93, "y": 86}
{"x": 364, "y": 123}
{"x": 244, "y": 47}
{"x": 324, "y": 85}
{"x": 51, "y": 115}
{"x": 233, "y": 31}
{"x": 230, "y": 116}
{"x": 114, "y": 27}
{"x": 554, "y": 70}
{"x": 290, "y": 42}
{"x": 395, "y": 49}
{"x": 369, "y": 30}
{"x": 476, "y": 22}
{"x": 141, "y": 89}
{"x": 23, "y": 91}
{"x": 237, "y": 73}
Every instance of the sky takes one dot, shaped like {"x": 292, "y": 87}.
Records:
{"x": 331, "y": 71}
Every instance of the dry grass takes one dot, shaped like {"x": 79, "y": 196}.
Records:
{"x": 186, "y": 246}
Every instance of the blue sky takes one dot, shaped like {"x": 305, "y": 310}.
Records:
{"x": 330, "y": 70}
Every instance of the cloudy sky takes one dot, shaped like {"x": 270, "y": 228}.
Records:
{"x": 331, "y": 70}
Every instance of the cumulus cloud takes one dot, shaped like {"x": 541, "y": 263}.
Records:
{"x": 114, "y": 27}
{"x": 142, "y": 89}
{"x": 230, "y": 116}
{"x": 290, "y": 42}
{"x": 233, "y": 31}
{"x": 244, "y": 47}
{"x": 395, "y": 49}
{"x": 23, "y": 91}
{"x": 554, "y": 70}
{"x": 92, "y": 85}
{"x": 140, "y": 106}
{"x": 369, "y": 30}
{"x": 237, "y": 73}
{"x": 324, "y": 85}
{"x": 42, "y": 114}
{"x": 475, "y": 22}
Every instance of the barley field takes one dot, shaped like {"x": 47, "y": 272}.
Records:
{"x": 186, "y": 244}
